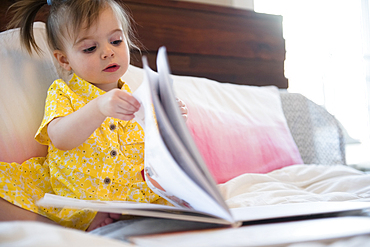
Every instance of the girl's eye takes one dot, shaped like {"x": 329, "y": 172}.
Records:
{"x": 90, "y": 49}
{"x": 116, "y": 42}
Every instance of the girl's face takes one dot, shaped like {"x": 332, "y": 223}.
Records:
{"x": 100, "y": 54}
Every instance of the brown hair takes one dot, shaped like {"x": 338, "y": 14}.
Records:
{"x": 66, "y": 17}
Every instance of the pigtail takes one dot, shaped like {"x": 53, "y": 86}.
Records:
{"x": 24, "y": 13}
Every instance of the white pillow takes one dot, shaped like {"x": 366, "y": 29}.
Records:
{"x": 24, "y": 82}
{"x": 133, "y": 77}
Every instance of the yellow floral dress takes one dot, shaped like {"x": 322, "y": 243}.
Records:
{"x": 107, "y": 166}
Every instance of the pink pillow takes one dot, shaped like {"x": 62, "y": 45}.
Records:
{"x": 238, "y": 129}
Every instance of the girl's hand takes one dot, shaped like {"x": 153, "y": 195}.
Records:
{"x": 72, "y": 130}
{"x": 183, "y": 109}
{"x": 119, "y": 104}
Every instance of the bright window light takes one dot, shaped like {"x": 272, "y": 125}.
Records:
{"x": 325, "y": 58}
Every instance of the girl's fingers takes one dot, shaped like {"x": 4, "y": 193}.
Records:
{"x": 125, "y": 117}
{"x": 180, "y": 102}
{"x": 125, "y": 108}
{"x": 184, "y": 110}
{"x": 131, "y": 100}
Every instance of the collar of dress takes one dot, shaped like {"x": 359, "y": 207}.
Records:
{"x": 87, "y": 90}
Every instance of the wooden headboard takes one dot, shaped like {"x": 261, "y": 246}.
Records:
{"x": 220, "y": 43}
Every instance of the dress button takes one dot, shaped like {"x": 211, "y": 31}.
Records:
{"x": 107, "y": 180}
{"x": 113, "y": 153}
{"x": 112, "y": 127}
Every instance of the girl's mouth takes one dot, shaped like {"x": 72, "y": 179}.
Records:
{"x": 112, "y": 68}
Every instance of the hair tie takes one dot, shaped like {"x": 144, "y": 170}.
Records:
{"x": 49, "y": 2}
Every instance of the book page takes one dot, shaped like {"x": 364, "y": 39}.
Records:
{"x": 131, "y": 208}
{"x": 195, "y": 166}
{"x": 295, "y": 210}
{"x": 163, "y": 173}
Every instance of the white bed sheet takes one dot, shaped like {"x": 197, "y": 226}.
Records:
{"x": 298, "y": 183}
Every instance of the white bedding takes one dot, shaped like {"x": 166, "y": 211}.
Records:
{"x": 293, "y": 184}
{"x": 298, "y": 183}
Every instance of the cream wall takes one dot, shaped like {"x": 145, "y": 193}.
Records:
{"x": 243, "y": 4}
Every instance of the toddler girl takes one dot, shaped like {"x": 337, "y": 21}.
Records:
{"x": 95, "y": 148}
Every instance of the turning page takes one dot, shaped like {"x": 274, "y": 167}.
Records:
{"x": 170, "y": 169}
{"x": 196, "y": 168}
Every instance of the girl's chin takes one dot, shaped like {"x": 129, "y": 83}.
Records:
{"x": 106, "y": 85}
{"x": 111, "y": 80}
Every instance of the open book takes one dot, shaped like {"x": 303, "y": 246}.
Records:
{"x": 175, "y": 170}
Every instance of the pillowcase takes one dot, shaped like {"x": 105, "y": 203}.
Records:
{"x": 24, "y": 81}
{"x": 238, "y": 129}
{"x": 134, "y": 76}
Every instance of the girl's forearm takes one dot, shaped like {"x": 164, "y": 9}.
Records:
{"x": 74, "y": 129}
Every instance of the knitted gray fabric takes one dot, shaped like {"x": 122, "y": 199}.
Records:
{"x": 316, "y": 132}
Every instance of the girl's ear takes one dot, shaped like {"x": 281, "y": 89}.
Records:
{"x": 62, "y": 60}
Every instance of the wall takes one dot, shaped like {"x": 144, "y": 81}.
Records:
{"x": 243, "y": 4}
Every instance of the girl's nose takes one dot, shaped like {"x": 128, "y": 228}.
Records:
{"x": 108, "y": 52}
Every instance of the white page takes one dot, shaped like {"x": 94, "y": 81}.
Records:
{"x": 178, "y": 187}
{"x": 194, "y": 164}
{"x": 266, "y": 212}
{"x": 131, "y": 208}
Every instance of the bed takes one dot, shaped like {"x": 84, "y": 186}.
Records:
{"x": 263, "y": 145}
